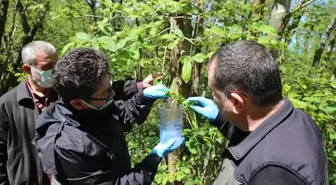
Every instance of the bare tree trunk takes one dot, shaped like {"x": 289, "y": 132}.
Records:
{"x": 3, "y": 17}
{"x": 280, "y": 14}
{"x": 329, "y": 32}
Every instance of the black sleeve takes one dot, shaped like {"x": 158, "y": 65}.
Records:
{"x": 81, "y": 169}
{"x": 124, "y": 89}
{"x": 226, "y": 128}
{"x": 4, "y": 122}
{"x": 277, "y": 175}
{"x": 133, "y": 110}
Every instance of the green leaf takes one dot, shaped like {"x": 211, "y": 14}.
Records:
{"x": 333, "y": 85}
{"x": 165, "y": 180}
{"x": 153, "y": 31}
{"x": 333, "y": 136}
{"x": 108, "y": 43}
{"x": 67, "y": 47}
{"x": 121, "y": 43}
{"x": 168, "y": 36}
{"x": 179, "y": 177}
{"x": 200, "y": 57}
{"x": 83, "y": 36}
{"x": 186, "y": 71}
{"x": 286, "y": 88}
{"x": 173, "y": 44}
{"x": 218, "y": 31}
{"x": 178, "y": 32}
{"x": 268, "y": 29}
{"x": 171, "y": 178}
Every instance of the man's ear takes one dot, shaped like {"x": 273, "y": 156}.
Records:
{"x": 77, "y": 104}
{"x": 238, "y": 102}
{"x": 26, "y": 69}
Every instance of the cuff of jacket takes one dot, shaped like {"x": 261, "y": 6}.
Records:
{"x": 142, "y": 99}
{"x": 218, "y": 122}
{"x": 131, "y": 87}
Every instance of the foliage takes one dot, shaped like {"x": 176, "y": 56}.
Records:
{"x": 177, "y": 38}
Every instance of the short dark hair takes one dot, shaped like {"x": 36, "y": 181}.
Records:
{"x": 79, "y": 72}
{"x": 250, "y": 67}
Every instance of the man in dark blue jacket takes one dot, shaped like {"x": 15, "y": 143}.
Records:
{"x": 81, "y": 138}
{"x": 271, "y": 142}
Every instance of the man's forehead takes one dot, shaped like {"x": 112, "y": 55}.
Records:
{"x": 45, "y": 57}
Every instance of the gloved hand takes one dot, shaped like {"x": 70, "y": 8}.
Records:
{"x": 205, "y": 107}
{"x": 163, "y": 150}
{"x": 156, "y": 91}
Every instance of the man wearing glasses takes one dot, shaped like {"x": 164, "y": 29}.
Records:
{"x": 81, "y": 138}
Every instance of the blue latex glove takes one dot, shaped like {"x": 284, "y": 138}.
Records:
{"x": 163, "y": 150}
{"x": 205, "y": 107}
{"x": 156, "y": 91}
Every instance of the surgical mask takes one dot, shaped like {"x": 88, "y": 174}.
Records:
{"x": 42, "y": 78}
{"x": 108, "y": 103}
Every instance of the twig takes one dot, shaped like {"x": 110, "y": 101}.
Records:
{"x": 164, "y": 59}
{"x": 161, "y": 32}
{"x": 302, "y": 5}
{"x": 87, "y": 15}
{"x": 188, "y": 119}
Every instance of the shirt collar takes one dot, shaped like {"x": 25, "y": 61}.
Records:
{"x": 261, "y": 131}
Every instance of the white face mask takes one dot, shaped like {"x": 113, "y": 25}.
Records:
{"x": 42, "y": 78}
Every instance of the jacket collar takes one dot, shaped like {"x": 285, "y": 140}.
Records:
{"x": 261, "y": 131}
{"x": 23, "y": 94}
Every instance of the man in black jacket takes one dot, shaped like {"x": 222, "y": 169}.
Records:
{"x": 19, "y": 108}
{"x": 81, "y": 138}
{"x": 271, "y": 142}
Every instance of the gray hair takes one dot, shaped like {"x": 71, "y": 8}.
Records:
{"x": 29, "y": 51}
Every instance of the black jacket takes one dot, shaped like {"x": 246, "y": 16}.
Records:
{"x": 89, "y": 147}
{"x": 286, "y": 149}
{"x": 19, "y": 163}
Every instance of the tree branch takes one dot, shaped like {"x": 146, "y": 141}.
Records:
{"x": 327, "y": 34}
{"x": 24, "y": 21}
{"x": 302, "y": 5}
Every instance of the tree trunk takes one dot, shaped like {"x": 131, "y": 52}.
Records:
{"x": 280, "y": 15}
{"x": 329, "y": 32}
{"x": 182, "y": 22}
{"x": 3, "y": 18}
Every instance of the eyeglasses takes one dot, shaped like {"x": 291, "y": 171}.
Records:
{"x": 110, "y": 92}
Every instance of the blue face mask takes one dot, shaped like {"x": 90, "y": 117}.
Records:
{"x": 42, "y": 78}
{"x": 108, "y": 103}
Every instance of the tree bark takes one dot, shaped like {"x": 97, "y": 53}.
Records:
{"x": 280, "y": 15}
{"x": 3, "y": 17}
{"x": 331, "y": 28}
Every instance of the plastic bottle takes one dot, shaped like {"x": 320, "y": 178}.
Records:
{"x": 170, "y": 122}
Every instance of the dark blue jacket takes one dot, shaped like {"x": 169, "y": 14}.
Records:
{"x": 286, "y": 149}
